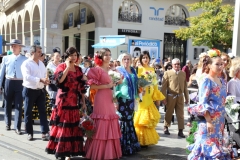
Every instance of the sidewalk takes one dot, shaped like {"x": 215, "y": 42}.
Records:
{"x": 13, "y": 146}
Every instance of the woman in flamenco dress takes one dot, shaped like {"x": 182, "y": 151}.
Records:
{"x": 66, "y": 138}
{"x": 105, "y": 143}
{"x": 147, "y": 116}
{"x": 209, "y": 112}
{"x": 126, "y": 93}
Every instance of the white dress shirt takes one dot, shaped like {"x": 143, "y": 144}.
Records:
{"x": 32, "y": 72}
{"x": 233, "y": 88}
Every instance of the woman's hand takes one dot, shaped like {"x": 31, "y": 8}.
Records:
{"x": 84, "y": 107}
{"x": 157, "y": 103}
{"x": 116, "y": 106}
{"x": 111, "y": 85}
{"x": 210, "y": 128}
{"x": 68, "y": 63}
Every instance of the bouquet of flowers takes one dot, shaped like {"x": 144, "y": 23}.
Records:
{"x": 229, "y": 104}
{"x": 234, "y": 108}
{"x": 115, "y": 76}
{"x": 150, "y": 77}
{"x": 229, "y": 101}
{"x": 87, "y": 124}
{"x": 142, "y": 83}
{"x": 50, "y": 75}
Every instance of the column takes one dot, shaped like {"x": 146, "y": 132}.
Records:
{"x": 236, "y": 30}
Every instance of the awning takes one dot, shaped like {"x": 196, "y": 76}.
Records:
{"x": 106, "y": 45}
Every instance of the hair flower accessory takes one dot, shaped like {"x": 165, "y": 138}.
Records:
{"x": 98, "y": 59}
{"x": 203, "y": 54}
{"x": 214, "y": 53}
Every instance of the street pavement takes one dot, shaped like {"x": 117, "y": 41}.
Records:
{"x": 17, "y": 147}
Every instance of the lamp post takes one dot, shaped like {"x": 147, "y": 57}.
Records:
{"x": 42, "y": 25}
{"x": 79, "y": 20}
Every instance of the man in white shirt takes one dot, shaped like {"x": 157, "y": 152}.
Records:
{"x": 34, "y": 79}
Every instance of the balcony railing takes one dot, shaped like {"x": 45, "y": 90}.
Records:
{"x": 65, "y": 26}
{"x": 90, "y": 19}
{"x": 130, "y": 17}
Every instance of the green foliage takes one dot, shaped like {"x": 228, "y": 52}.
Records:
{"x": 213, "y": 27}
{"x": 190, "y": 138}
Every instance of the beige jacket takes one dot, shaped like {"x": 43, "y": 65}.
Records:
{"x": 174, "y": 83}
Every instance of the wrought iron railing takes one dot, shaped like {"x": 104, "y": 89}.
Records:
{"x": 90, "y": 19}
{"x": 130, "y": 17}
{"x": 65, "y": 26}
{"x": 177, "y": 21}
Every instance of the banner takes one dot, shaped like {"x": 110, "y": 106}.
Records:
{"x": 70, "y": 19}
{"x": 83, "y": 15}
{"x": 136, "y": 46}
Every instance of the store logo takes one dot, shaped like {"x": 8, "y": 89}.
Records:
{"x": 156, "y": 13}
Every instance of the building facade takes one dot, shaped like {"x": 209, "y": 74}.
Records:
{"x": 79, "y": 23}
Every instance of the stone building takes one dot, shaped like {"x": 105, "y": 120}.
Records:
{"x": 79, "y": 23}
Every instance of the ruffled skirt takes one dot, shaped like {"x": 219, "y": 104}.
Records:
{"x": 66, "y": 138}
{"x": 145, "y": 122}
{"x": 105, "y": 143}
{"x": 208, "y": 147}
{"x": 129, "y": 140}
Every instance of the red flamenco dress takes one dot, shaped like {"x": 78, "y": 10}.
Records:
{"x": 105, "y": 143}
{"x": 66, "y": 138}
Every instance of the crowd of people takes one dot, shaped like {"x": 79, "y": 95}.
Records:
{"x": 124, "y": 122}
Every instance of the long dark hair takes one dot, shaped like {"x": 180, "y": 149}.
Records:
{"x": 143, "y": 54}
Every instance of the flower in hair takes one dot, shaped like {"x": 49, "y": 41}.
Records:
{"x": 98, "y": 59}
{"x": 214, "y": 53}
{"x": 203, "y": 54}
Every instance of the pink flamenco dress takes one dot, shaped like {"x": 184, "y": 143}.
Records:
{"x": 105, "y": 143}
{"x": 66, "y": 138}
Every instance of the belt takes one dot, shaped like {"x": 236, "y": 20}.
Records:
{"x": 14, "y": 78}
{"x": 37, "y": 89}
{"x": 175, "y": 95}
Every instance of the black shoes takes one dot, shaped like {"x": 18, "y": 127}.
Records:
{"x": 180, "y": 133}
{"x": 30, "y": 137}
{"x": 18, "y": 131}
{"x": 166, "y": 130}
{"x": 8, "y": 128}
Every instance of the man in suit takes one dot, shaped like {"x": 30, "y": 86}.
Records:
{"x": 174, "y": 88}
{"x": 11, "y": 69}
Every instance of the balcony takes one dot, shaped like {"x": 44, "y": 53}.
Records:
{"x": 6, "y": 4}
{"x": 130, "y": 17}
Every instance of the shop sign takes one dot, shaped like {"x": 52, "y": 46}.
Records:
{"x": 136, "y": 46}
{"x": 156, "y": 14}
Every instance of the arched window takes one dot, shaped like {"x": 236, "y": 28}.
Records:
{"x": 130, "y": 11}
{"x": 176, "y": 15}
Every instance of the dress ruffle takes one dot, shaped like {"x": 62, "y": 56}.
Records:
{"x": 106, "y": 140}
{"x": 109, "y": 126}
{"x": 157, "y": 96}
{"x": 145, "y": 121}
{"x": 200, "y": 109}
{"x": 200, "y": 150}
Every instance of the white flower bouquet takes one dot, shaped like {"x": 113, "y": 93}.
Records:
{"x": 231, "y": 107}
{"x": 116, "y": 77}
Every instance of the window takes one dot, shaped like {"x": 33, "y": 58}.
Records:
{"x": 176, "y": 15}
{"x": 130, "y": 11}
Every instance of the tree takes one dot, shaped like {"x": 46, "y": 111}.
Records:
{"x": 212, "y": 28}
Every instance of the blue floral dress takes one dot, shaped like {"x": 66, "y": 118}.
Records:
{"x": 212, "y": 99}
